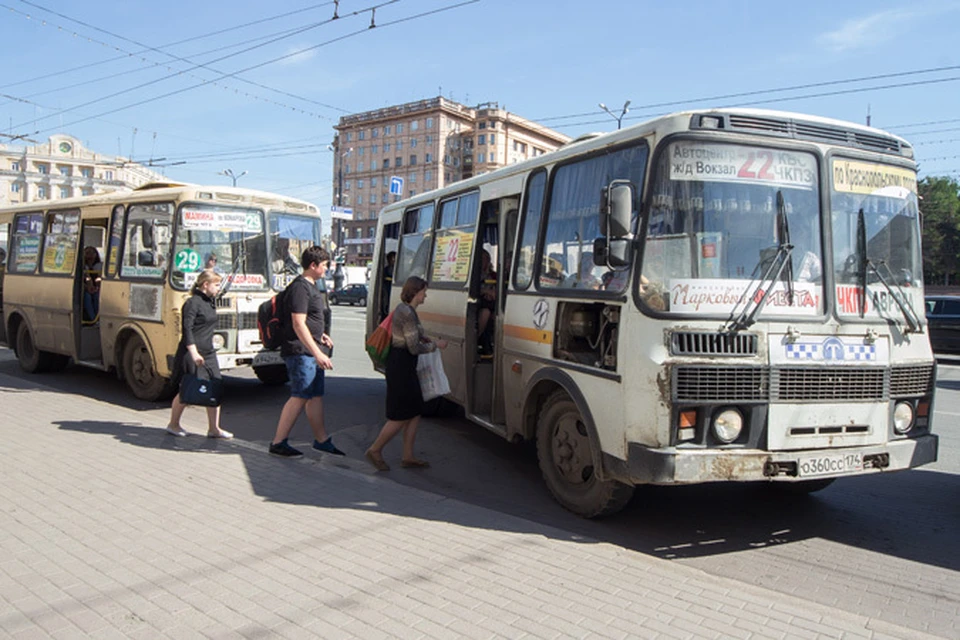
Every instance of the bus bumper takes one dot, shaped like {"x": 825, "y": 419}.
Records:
{"x": 258, "y": 359}
{"x": 683, "y": 466}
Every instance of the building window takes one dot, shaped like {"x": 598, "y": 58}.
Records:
{"x": 413, "y": 159}
{"x": 412, "y": 193}
{"x": 386, "y": 130}
{"x": 86, "y": 172}
{"x": 360, "y": 150}
{"x": 429, "y": 139}
{"x": 383, "y": 198}
{"x": 374, "y": 132}
{"x": 398, "y": 161}
{"x": 359, "y": 198}
{"x": 428, "y": 158}
{"x": 374, "y": 149}
{"x": 349, "y": 136}
{"x": 64, "y": 192}
{"x": 428, "y": 175}
{"x": 412, "y": 177}
{"x": 42, "y": 168}
{"x": 359, "y": 183}
{"x": 15, "y": 187}
{"x": 493, "y": 156}
{"x": 372, "y": 232}
{"x": 374, "y": 181}
{"x": 482, "y": 125}
{"x": 386, "y": 147}
{"x": 42, "y": 192}
{"x": 493, "y": 138}
{"x": 64, "y": 170}
{"x": 108, "y": 175}
{"x": 399, "y": 145}
{"x": 87, "y": 191}
{"x": 360, "y": 165}
{"x": 15, "y": 166}
{"x": 481, "y": 139}
{"x": 361, "y": 134}
{"x": 413, "y": 142}
{"x": 429, "y": 125}
{"x": 386, "y": 163}
{"x": 346, "y": 185}
{"x": 399, "y": 127}
{"x": 414, "y": 125}
{"x": 481, "y": 157}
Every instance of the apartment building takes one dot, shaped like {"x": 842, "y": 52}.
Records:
{"x": 63, "y": 168}
{"x": 426, "y": 144}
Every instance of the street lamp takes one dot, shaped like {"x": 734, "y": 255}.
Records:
{"x": 619, "y": 119}
{"x": 233, "y": 176}
{"x": 340, "y": 191}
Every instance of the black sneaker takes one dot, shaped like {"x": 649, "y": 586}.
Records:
{"x": 327, "y": 446}
{"x": 284, "y": 450}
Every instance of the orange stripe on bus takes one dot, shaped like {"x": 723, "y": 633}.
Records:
{"x": 442, "y": 318}
{"x": 526, "y": 333}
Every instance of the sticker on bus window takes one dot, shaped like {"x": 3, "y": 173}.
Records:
{"x": 59, "y": 254}
{"x": 733, "y": 163}
{"x": 186, "y": 260}
{"x": 866, "y": 178}
{"x": 721, "y": 296}
{"x": 217, "y": 220}
{"x": 451, "y": 256}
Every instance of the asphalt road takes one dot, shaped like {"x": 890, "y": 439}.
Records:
{"x": 882, "y": 545}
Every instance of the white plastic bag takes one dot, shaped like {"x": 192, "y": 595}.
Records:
{"x": 433, "y": 381}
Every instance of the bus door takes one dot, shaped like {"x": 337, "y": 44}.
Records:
{"x": 87, "y": 284}
{"x": 382, "y": 281}
{"x": 58, "y": 260}
{"x": 4, "y": 251}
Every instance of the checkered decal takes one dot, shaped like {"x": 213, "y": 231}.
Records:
{"x": 816, "y": 351}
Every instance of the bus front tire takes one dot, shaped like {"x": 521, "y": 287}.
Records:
{"x": 31, "y": 359}
{"x": 273, "y": 374}
{"x": 565, "y": 453}
{"x": 140, "y": 374}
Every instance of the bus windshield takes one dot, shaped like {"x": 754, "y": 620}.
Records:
{"x": 724, "y": 217}
{"x": 878, "y": 203}
{"x": 290, "y": 235}
{"x": 227, "y": 240}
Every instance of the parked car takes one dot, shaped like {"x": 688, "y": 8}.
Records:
{"x": 352, "y": 293}
{"x": 943, "y": 323}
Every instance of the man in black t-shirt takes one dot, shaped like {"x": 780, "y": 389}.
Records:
{"x": 304, "y": 339}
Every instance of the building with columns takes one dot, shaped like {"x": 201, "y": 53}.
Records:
{"x": 427, "y": 144}
{"x": 63, "y": 168}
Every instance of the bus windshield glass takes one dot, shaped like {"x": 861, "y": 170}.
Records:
{"x": 290, "y": 235}
{"x": 228, "y": 240}
{"x": 726, "y": 219}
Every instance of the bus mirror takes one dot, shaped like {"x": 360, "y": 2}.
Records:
{"x": 616, "y": 209}
{"x": 148, "y": 233}
{"x": 147, "y": 258}
{"x": 611, "y": 253}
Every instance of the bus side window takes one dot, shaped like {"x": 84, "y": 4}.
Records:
{"x": 532, "y": 213}
{"x": 414, "y": 255}
{"x": 116, "y": 239}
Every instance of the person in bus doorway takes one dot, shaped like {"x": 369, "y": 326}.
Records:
{"x": 488, "y": 303}
{"x": 404, "y": 397}
{"x": 199, "y": 321}
{"x": 387, "y": 284}
{"x": 304, "y": 340}
{"x": 92, "y": 276}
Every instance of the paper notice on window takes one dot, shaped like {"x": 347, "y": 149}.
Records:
{"x": 748, "y": 165}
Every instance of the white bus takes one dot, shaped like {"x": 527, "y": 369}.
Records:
{"x": 152, "y": 243}
{"x": 709, "y": 296}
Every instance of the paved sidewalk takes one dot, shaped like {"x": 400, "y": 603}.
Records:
{"x": 111, "y": 528}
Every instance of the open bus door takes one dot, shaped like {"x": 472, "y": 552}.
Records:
{"x": 87, "y": 284}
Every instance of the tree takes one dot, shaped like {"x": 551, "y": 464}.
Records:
{"x": 940, "y": 211}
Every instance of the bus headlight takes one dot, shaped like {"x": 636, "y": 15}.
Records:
{"x": 219, "y": 341}
{"x": 903, "y": 417}
{"x": 727, "y": 425}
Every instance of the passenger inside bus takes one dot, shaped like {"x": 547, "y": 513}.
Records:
{"x": 488, "y": 303}
{"x": 92, "y": 275}
{"x": 387, "y": 284}
{"x": 283, "y": 261}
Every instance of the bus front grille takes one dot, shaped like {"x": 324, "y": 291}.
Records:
{"x": 698, "y": 343}
{"x": 819, "y": 132}
{"x": 830, "y": 384}
{"x": 720, "y": 384}
{"x": 226, "y": 321}
{"x": 911, "y": 381}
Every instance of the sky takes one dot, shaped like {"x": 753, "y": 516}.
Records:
{"x": 206, "y": 86}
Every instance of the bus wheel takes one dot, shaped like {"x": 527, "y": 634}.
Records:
{"x": 565, "y": 453}
{"x": 140, "y": 374}
{"x": 31, "y": 359}
{"x": 274, "y": 374}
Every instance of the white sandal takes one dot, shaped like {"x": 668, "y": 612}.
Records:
{"x": 180, "y": 432}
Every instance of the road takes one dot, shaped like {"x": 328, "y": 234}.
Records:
{"x": 882, "y": 546}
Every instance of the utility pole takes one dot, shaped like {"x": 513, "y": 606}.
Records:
{"x": 623, "y": 112}
{"x": 230, "y": 174}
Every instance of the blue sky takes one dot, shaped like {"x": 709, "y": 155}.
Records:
{"x": 76, "y": 72}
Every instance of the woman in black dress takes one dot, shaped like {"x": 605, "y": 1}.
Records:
{"x": 199, "y": 320}
{"x": 404, "y": 398}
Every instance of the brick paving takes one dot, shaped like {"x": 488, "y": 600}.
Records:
{"x": 111, "y": 528}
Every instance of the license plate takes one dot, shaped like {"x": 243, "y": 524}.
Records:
{"x": 830, "y": 464}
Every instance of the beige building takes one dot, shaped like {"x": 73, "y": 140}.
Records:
{"x": 63, "y": 168}
{"x": 427, "y": 144}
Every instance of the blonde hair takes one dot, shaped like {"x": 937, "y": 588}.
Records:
{"x": 206, "y": 276}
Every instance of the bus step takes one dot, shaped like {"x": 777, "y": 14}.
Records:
{"x": 93, "y": 364}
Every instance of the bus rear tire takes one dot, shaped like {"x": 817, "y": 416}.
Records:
{"x": 140, "y": 374}
{"x": 565, "y": 453}
{"x": 31, "y": 359}
{"x": 273, "y": 374}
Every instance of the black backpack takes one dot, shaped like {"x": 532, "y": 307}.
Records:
{"x": 270, "y": 321}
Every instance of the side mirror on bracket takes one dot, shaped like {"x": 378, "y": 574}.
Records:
{"x": 616, "y": 209}
{"x": 611, "y": 253}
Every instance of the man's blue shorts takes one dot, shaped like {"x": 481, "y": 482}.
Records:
{"x": 306, "y": 377}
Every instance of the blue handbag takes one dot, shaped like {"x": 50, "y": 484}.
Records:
{"x": 203, "y": 391}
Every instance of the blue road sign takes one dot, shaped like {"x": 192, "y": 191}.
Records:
{"x": 396, "y": 185}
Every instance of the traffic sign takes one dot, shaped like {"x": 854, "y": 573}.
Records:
{"x": 341, "y": 213}
{"x": 396, "y": 185}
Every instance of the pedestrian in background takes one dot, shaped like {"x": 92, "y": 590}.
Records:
{"x": 404, "y": 397}
{"x": 302, "y": 348}
{"x": 199, "y": 321}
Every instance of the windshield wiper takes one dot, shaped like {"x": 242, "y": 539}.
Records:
{"x": 781, "y": 263}
{"x": 906, "y": 308}
{"x": 240, "y": 261}
{"x": 861, "y": 262}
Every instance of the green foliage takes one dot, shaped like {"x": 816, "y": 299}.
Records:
{"x": 940, "y": 210}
